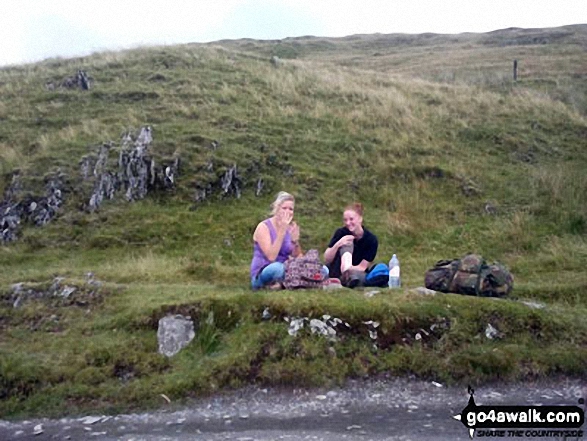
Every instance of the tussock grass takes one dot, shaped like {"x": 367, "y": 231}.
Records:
{"x": 11, "y": 158}
{"x": 147, "y": 267}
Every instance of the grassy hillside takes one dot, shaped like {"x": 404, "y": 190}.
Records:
{"x": 425, "y": 130}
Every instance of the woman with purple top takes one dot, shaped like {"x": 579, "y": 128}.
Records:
{"x": 275, "y": 240}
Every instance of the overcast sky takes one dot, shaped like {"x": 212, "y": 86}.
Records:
{"x": 32, "y": 30}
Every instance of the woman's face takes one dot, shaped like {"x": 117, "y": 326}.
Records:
{"x": 352, "y": 220}
{"x": 286, "y": 207}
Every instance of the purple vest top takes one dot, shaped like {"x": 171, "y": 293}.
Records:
{"x": 260, "y": 260}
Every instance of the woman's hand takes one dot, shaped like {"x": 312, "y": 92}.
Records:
{"x": 294, "y": 231}
{"x": 345, "y": 240}
{"x": 283, "y": 220}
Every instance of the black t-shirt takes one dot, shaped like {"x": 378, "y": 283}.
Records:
{"x": 365, "y": 248}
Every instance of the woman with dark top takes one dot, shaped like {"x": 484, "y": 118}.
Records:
{"x": 275, "y": 240}
{"x": 352, "y": 248}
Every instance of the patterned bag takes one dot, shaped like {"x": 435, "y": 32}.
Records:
{"x": 470, "y": 276}
{"x": 304, "y": 271}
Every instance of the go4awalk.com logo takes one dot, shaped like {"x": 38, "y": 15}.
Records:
{"x": 522, "y": 421}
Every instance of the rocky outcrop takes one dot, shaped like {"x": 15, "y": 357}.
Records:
{"x": 78, "y": 81}
{"x": 135, "y": 172}
{"x": 16, "y": 209}
{"x": 129, "y": 169}
{"x": 59, "y": 293}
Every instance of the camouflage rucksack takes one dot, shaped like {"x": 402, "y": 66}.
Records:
{"x": 470, "y": 275}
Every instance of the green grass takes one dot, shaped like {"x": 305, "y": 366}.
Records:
{"x": 423, "y": 130}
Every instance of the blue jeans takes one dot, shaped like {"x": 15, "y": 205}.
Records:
{"x": 275, "y": 272}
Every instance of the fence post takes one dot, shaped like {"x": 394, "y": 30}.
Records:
{"x": 515, "y": 70}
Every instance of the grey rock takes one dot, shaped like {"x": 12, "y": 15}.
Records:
{"x": 85, "y": 166}
{"x": 425, "y": 291}
{"x": 490, "y": 209}
{"x": 79, "y": 80}
{"x": 56, "y": 285}
{"x": 322, "y": 328}
{"x": 295, "y": 324}
{"x": 260, "y": 184}
{"x": 67, "y": 291}
{"x": 533, "y": 305}
{"x": 17, "y": 288}
{"x": 231, "y": 182}
{"x": 491, "y": 332}
{"x": 266, "y": 314}
{"x": 174, "y": 333}
{"x": 90, "y": 420}
{"x": 17, "y": 302}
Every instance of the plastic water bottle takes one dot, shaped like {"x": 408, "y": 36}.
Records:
{"x": 394, "y": 277}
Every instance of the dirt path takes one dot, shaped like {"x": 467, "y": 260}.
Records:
{"x": 362, "y": 410}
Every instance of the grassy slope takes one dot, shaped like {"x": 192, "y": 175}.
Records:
{"x": 424, "y": 130}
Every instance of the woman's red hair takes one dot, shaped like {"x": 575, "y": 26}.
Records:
{"x": 357, "y": 207}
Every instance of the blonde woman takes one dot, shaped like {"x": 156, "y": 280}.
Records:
{"x": 274, "y": 241}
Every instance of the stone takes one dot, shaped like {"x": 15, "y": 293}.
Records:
{"x": 260, "y": 184}
{"x": 67, "y": 291}
{"x": 322, "y": 328}
{"x": 533, "y": 305}
{"x": 231, "y": 182}
{"x": 90, "y": 420}
{"x": 266, "y": 314}
{"x": 174, "y": 333}
{"x": 491, "y": 332}
{"x": 425, "y": 291}
{"x": 79, "y": 80}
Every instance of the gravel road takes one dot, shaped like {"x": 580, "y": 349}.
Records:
{"x": 399, "y": 409}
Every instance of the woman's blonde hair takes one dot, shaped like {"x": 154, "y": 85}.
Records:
{"x": 282, "y": 197}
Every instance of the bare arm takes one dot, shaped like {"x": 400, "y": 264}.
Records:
{"x": 263, "y": 238}
{"x": 330, "y": 253}
{"x": 294, "y": 231}
{"x": 361, "y": 266}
